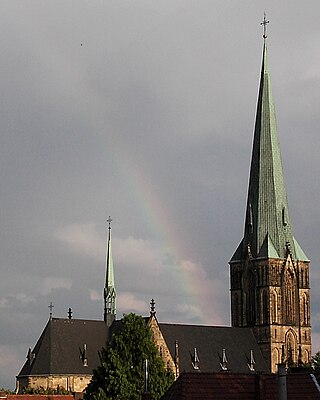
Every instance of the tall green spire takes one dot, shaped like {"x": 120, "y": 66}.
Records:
{"x": 268, "y": 231}
{"x": 109, "y": 289}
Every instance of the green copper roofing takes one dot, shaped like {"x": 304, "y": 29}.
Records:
{"x": 267, "y": 249}
{"x": 267, "y": 224}
{"x": 109, "y": 289}
{"x": 299, "y": 252}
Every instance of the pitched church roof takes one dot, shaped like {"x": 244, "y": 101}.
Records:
{"x": 67, "y": 346}
{"x": 215, "y": 347}
{"x": 268, "y": 227}
{"x": 231, "y": 386}
{"x": 71, "y": 346}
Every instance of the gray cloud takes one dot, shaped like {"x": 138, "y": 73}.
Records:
{"x": 143, "y": 110}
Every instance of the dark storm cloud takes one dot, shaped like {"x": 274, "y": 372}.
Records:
{"x": 108, "y": 107}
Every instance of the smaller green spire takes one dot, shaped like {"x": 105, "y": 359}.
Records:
{"x": 109, "y": 289}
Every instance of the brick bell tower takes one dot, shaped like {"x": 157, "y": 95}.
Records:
{"x": 269, "y": 271}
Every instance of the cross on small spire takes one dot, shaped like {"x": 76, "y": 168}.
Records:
{"x": 109, "y": 220}
{"x": 70, "y": 313}
{"x": 50, "y": 306}
{"x": 265, "y": 22}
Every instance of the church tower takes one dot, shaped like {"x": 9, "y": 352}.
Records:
{"x": 109, "y": 293}
{"x": 269, "y": 271}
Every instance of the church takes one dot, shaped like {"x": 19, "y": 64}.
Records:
{"x": 269, "y": 286}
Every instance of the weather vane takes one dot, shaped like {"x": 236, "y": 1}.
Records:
{"x": 264, "y": 23}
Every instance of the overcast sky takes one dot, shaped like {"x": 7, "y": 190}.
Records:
{"x": 143, "y": 110}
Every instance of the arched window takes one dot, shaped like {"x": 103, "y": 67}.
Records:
{"x": 305, "y": 310}
{"x": 235, "y": 310}
{"x": 276, "y": 356}
{"x": 289, "y": 296}
{"x": 251, "y": 299}
{"x": 306, "y": 278}
{"x": 274, "y": 307}
{"x": 291, "y": 348}
{"x": 264, "y": 307}
{"x": 306, "y": 357}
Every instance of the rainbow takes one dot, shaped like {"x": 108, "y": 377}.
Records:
{"x": 159, "y": 220}
{"x": 151, "y": 205}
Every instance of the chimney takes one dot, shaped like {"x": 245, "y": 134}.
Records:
{"x": 282, "y": 381}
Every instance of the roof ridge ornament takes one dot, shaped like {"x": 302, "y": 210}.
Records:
{"x": 264, "y": 23}
{"x": 152, "y": 308}
{"x": 50, "y": 306}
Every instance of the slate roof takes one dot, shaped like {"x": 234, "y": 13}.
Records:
{"x": 231, "y": 386}
{"x": 210, "y": 342}
{"x": 58, "y": 350}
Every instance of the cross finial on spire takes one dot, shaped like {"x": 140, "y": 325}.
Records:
{"x": 109, "y": 220}
{"x": 264, "y": 23}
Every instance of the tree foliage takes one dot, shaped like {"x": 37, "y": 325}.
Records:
{"x": 6, "y": 391}
{"x": 315, "y": 362}
{"x": 313, "y": 365}
{"x": 49, "y": 391}
{"x": 120, "y": 375}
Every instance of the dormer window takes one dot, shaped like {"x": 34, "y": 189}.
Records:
{"x": 224, "y": 361}
{"x": 195, "y": 360}
{"x": 84, "y": 356}
{"x": 30, "y": 356}
{"x": 251, "y": 363}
